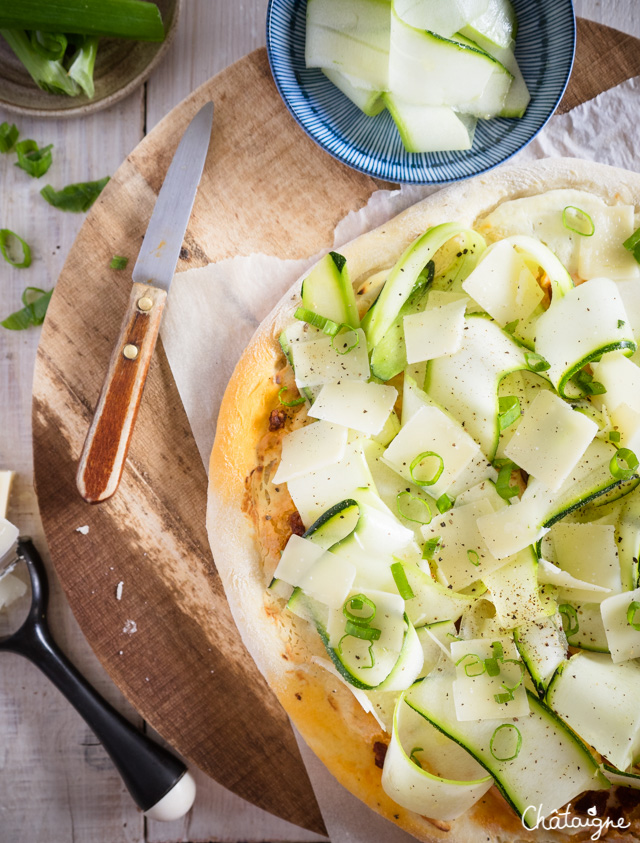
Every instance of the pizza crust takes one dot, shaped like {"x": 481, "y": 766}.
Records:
{"x": 324, "y": 711}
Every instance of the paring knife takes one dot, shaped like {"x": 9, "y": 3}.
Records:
{"x": 107, "y": 443}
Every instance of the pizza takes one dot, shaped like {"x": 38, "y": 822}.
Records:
{"x": 423, "y": 507}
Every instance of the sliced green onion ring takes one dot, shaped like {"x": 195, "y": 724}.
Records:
{"x": 508, "y": 411}
{"x": 416, "y": 463}
{"x": 473, "y": 557}
{"x": 118, "y": 262}
{"x": 321, "y": 322}
{"x": 444, "y": 503}
{"x": 294, "y": 403}
{"x": 535, "y": 362}
{"x": 402, "y": 583}
{"x": 346, "y": 346}
{"x": 633, "y": 609}
{"x": 517, "y": 747}
{"x": 431, "y": 547}
{"x": 366, "y": 633}
{"x": 618, "y": 472}
{"x": 586, "y": 384}
{"x": 5, "y": 237}
{"x": 418, "y": 512}
{"x": 621, "y": 323}
{"x": 572, "y": 217}
{"x": 614, "y": 436}
{"x": 570, "y": 622}
{"x": 468, "y": 668}
{"x": 503, "y": 487}
{"x": 358, "y": 602}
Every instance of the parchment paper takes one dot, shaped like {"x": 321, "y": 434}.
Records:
{"x": 213, "y": 312}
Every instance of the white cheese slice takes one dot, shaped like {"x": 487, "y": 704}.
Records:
{"x": 629, "y": 290}
{"x": 599, "y": 700}
{"x": 389, "y": 619}
{"x": 515, "y": 591}
{"x": 626, "y": 422}
{"x": 11, "y": 588}
{"x": 503, "y": 284}
{"x": 309, "y": 448}
{"x": 588, "y": 552}
{"x": 587, "y": 318}
{"x": 484, "y": 489}
{"x": 329, "y": 580}
{"x": 298, "y": 557}
{"x": 8, "y": 537}
{"x": 603, "y": 252}
{"x": 315, "y": 492}
{"x": 621, "y": 378}
{"x": 508, "y": 531}
{"x": 436, "y": 331}
{"x": 618, "y": 617}
{"x": 550, "y": 439}
{"x": 474, "y": 690}
{"x": 6, "y": 479}
{"x": 429, "y": 429}
{"x": 463, "y": 555}
{"x": 540, "y": 216}
{"x": 355, "y": 404}
{"x": 550, "y": 574}
{"x": 317, "y": 361}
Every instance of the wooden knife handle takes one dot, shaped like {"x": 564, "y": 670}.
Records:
{"x": 107, "y": 443}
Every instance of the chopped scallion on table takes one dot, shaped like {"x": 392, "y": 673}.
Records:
{"x": 8, "y": 136}
{"x": 6, "y": 238}
{"x": 35, "y": 303}
{"x": 33, "y": 159}
{"x": 75, "y": 198}
{"x": 118, "y": 262}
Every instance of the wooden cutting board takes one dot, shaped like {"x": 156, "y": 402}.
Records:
{"x": 170, "y": 644}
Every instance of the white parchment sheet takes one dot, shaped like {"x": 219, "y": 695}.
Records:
{"x": 213, "y": 312}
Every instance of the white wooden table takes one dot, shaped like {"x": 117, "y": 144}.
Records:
{"x": 56, "y": 783}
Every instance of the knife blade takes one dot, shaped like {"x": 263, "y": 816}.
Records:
{"x": 107, "y": 443}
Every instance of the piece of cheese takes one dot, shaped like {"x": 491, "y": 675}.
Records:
{"x": 503, "y": 284}
{"x": 550, "y": 440}
{"x": 621, "y": 379}
{"x": 588, "y": 552}
{"x": 355, "y": 404}
{"x": 431, "y": 430}
{"x": 436, "y": 331}
{"x": 309, "y": 448}
{"x": 603, "y": 252}
{"x": 619, "y": 614}
{"x": 463, "y": 554}
{"x": 327, "y": 359}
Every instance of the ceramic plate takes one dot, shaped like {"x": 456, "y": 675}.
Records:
{"x": 121, "y": 66}
{"x": 545, "y": 48}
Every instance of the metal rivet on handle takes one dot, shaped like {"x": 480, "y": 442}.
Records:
{"x": 145, "y": 303}
{"x": 130, "y": 351}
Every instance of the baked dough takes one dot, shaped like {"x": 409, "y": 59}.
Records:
{"x": 246, "y": 529}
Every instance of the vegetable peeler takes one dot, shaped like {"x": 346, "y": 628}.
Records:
{"x": 159, "y": 783}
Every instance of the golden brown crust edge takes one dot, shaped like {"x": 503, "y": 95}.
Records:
{"x": 325, "y": 713}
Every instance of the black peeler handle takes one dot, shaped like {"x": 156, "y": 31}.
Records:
{"x": 159, "y": 783}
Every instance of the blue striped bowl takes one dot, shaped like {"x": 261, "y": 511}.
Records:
{"x": 544, "y": 49}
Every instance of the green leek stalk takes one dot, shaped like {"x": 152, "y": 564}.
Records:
{"x": 132, "y": 19}
{"x": 82, "y": 63}
{"x": 48, "y": 75}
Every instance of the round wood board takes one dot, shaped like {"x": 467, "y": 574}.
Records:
{"x": 266, "y": 188}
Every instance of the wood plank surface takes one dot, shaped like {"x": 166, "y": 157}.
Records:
{"x": 52, "y": 787}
